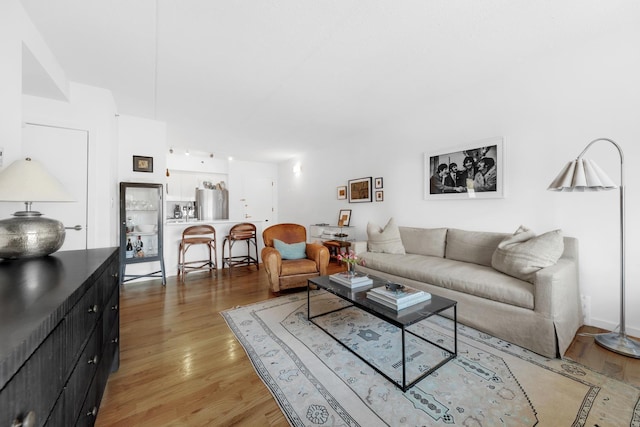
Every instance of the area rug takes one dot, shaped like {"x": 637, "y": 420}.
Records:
{"x": 316, "y": 381}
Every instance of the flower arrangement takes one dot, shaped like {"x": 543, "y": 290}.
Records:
{"x": 351, "y": 259}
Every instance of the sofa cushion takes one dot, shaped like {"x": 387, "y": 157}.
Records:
{"x": 291, "y": 250}
{"x": 470, "y": 278}
{"x": 386, "y": 240}
{"x": 424, "y": 241}
{"x": 523, "y": 254}
{"x": 472, "y": 246}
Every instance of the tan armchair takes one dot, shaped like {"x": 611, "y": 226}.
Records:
{"x": 291, "y": 273}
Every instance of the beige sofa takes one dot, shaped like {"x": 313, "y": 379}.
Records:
{"x": 542, "y": 314}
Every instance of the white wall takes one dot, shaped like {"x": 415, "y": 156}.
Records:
{"x": 141, "y": 137}
{"x": 87, "y": 108}
{"x": 548, "y": 110}
{"x": 92, "y": 109}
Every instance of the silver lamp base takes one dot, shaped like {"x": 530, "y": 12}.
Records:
{"x": 619, "y": 343}
{"x": 30, "y": 236}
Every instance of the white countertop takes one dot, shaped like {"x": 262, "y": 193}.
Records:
{"x": 182, "y": 222}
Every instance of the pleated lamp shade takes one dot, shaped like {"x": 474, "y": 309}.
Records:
{"x": 582, "y": 175}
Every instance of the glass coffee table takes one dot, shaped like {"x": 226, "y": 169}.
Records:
{"x": 402, "y": 319}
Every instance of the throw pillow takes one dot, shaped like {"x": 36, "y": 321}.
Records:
{"x": 523, "y": 254}
{"x": 290, "y": 250}
{"x": 386, "y": 240}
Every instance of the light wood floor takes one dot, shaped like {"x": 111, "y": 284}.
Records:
{"x": 180, "y": 365}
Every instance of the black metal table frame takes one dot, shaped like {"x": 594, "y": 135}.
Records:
{"x": 404, "y": 386}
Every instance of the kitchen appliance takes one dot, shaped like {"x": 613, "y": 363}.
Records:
{"x": 212, "y": 204}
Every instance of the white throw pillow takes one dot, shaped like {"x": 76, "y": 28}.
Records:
{"x": 523, "y": 254}
{"x": 385, "y": 240}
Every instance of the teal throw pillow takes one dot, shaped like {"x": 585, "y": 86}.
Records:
{"x": 291, "y": 251}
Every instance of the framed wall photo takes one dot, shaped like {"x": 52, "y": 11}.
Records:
{"x": 344, "y": 217}
{"x": 342, "y": 192}
{"x": 379, "y": 196}
{"x": 360, "y": 190}
{"x": 471, "y": 171}
{"x": 377, "y": 183}
{"x": 142, "y": 164}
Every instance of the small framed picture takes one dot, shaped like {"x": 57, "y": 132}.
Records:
{"x": 342, "y": 192}
{"x": 142, "y": 164}
{"x": 360, "y": 190}
{"x": 377, "y": 183}
{"x": 344, "y": 218}
{"x": 379, "y": 196}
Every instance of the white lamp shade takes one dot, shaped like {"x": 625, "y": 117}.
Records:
{"x": 28, "y": 181}
{"x": 582, "y": 175}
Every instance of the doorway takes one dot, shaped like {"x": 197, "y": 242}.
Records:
{"x": 64, "y": 153}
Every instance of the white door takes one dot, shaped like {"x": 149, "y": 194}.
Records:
{"x": 258, "y": 201}
{"x": 64, "y": 153}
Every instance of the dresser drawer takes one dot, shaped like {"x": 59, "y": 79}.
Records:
{"x": 111, "y": 313}
{"x": 37, "y": 384}
{"x": 85, "y": 369}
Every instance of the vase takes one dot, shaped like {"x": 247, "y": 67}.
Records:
{"x": 351, "y": 268}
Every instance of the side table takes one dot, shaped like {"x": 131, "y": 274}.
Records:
{"x": 335, "y": 248}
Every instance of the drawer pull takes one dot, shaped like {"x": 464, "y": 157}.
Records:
{"x": 93, "y": 309}
{"x": 114, "y": 307}
{"x": 93, "y": 412}
{"x": 93, "y": 360}
{"x": 29, "y": 420}
{"x": 115, "y": 340}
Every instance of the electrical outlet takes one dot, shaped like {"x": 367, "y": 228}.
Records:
{"x": 586, "y": 309}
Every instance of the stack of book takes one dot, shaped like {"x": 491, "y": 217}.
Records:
{"x": 398, "y": 299}
{"x": 351, "y": 280}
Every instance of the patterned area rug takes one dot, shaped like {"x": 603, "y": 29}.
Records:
{"x": 316, "y": 381}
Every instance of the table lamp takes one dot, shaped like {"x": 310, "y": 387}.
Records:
{"x": 584, "y": 175}
{"x": 28, "y": 234}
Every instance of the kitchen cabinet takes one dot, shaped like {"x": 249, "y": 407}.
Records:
{"x": 181, "y": 185}
{"x": 141, "y": 228}
{"x": 59, "y": 328}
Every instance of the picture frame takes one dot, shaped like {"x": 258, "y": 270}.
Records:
{"x": 342, "y": 192}
{"x": 485, "y": 183}
{"x": 379, "y": 196}
{"x": 360, "y": 190}
{"x": 142, "y": 164}
{"x": 344, "y": 218}
{"x": 377, "y": 183}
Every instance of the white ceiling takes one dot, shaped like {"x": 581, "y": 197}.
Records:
{"x": 259, "y": 79}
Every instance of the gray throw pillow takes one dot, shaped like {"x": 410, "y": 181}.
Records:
{"x": 522, "y": 254}
{"x": 386, "y": 240}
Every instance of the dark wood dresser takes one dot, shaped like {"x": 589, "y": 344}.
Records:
{"x": 59, "y": 330}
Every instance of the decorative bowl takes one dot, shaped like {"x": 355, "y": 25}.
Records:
{"x": 146, "y": 228}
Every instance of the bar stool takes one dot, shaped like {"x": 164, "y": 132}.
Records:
{"x": 197, "y": 235}
{"x": 240, "y": 232}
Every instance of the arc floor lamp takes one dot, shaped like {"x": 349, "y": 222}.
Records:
{"x": 584, "y": 175}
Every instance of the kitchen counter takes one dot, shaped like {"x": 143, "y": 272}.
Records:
{"x": 173, "y": 234}
{"x": 172, "y": 222}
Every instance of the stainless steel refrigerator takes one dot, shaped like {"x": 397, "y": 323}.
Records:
{"x": 212, "y": 204}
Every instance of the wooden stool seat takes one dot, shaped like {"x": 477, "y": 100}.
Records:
{"x": 197, "y": 235}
